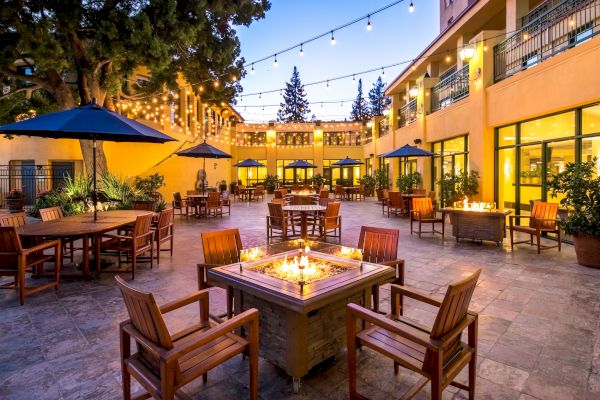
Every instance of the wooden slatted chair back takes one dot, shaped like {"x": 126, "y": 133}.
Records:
{"x": 324, "y": 194}
{"x": 144, "y": 205}
{"x": 16, "y": 220}
{"x": 306, "y": 187}
{"x": 451, "y": 313}
{"x": 213, "y": 200}
{"x": 424, "y": 206}
{"x": 283, "y": 191}
{"x": 222, "y": 247}
{"x": 419, "y": 191}
{"x": 278, "y": 201}
{"x": 9, "y": 243}
{"x": 339, "y": 190}
{"x": 324, "y": 201}
{"x": 395, "y": 200}
{"x": 259, "y": 191}
{"x": 278, "y": 194}
{"x": 432, "y": 196}
{"x": 51, "y": 213}
{"x": 540, "y": 211}
{"x": 378, "y": 244}
{"x": 141, "y": 227}
{"x": 147, "y": 319}
{"x": 276, "y": 214}
{"x": 333, "y": 209}
{"x": 192, "y": 192}
{"x": 295, "y": 187}
{"x": 165, "y": 219}
{"x": 386, "y": 194}
{"x": 177, "y": 198}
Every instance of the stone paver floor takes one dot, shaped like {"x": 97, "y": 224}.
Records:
{"x": 539, "y": 322}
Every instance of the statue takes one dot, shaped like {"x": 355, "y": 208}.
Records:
{"x": 202, "y": 182}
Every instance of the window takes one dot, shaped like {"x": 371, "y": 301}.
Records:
{"x": 252, "y": 175}
{"x": 293, "y": 175}
{"x": 293, "y": 138}
{"x": 255, "y": 138}
{"x": 552, "y": 127}
{"x": 450, "y": 157}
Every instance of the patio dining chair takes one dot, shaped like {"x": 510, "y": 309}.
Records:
{"x": 163, "y": 232}
{"x": 423, "y": 213}
{"x": 437, "y": 353}
{"x": 16, "y": 220}
{"x": 54, "y": 213}
{"x": 181, "y": 205}
{"x": 145, "y": 205}
{"x": 15, "y": 260}
{"x": 395, "y": 205}
{"x": 543, "y": 220}
{"x": 139, "y": 241}
{"x": 380, "y": 246}
{"x": 330, "y": 221}
{"x": 214, "y": 205}
{"x": 219, "y": 248}
{"x": 278, "y": 220}
{"x": 164, "y": 363}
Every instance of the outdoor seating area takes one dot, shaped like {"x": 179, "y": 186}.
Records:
{"x": 507, "y": 313}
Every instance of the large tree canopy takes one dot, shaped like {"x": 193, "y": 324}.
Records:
{"x": 96, "y": 43}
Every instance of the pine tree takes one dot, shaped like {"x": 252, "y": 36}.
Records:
{"x": 295, "y": 106}
{"x": 359, "y": 111}
{"x": 378, "y": 101}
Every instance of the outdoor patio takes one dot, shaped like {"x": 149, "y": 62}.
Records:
{"x": 539, "y": 321}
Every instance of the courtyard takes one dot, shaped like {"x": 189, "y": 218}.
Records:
{"x": 539, "y": 321}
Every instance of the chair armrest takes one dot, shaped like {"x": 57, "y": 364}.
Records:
{"x": 406, "y": 331}
{"x": 248, "y": 317}
{"x": 512, "y": 217}
{"x": 41, "y": 246}
{"x": 129, "y": 329}
{"x": 200, "y": 295}
{"x": 399, "y": 266}
{"x": 414, "y": 294}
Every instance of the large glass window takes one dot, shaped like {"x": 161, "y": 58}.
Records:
{"x": 293, "y": 175}
{"x": 450, "y": 157}
{"x": 252, "y": 175}
{"x": 530, "y": 152}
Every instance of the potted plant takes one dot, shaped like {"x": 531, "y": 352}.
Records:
{"x": 318, "y": 181}
{"x": 149, "y": 185}
{"x": 580, "y": 185}
{"x": 408, "y": 182}
{"x": 458, "y": 186}
{"x": 369, "y": 183}
{"x": 381, "y": 182}
{"x": 271, "y": 182}
{"x": 14, "y": 201}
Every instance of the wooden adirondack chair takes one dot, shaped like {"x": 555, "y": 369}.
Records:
{"x": 15, "y": 260}
{"x": 138, "y": 242}
{"x": 438, "y": 354}
{"x": 219, "y": 248}
{"x": 380, "y": 245}
{"x": 542, "y": 219}
{"x": 423, "y": 213}
{"x": 163, "y": 362}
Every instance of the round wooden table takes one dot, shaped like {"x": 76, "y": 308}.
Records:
{"x": 304, "y": 210}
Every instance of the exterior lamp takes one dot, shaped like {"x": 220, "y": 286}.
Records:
{"x": 467, "y": 53}
{"x": 413, "y": 92}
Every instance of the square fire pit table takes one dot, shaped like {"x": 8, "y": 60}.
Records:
{"x": 302, "y": 310}
{"x": 477, "y": 224}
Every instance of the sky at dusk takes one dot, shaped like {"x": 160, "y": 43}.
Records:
{"x": 396, "y": 36}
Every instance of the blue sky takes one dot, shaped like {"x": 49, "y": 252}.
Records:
{"x": 396, "y": 36}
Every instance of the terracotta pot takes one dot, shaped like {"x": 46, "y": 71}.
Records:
{"x": 586, "y": 249}
{"x": 14, "y": 205}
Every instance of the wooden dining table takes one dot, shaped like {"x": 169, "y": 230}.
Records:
{"x": 83, "y": 226}
{"x": 198, "y": 201}
{"x": 304, "y": 210}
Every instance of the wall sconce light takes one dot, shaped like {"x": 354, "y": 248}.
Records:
{"x": 413, "y": 92}
{"x": 467, "y": 52}
{"x": 417, "y": 141}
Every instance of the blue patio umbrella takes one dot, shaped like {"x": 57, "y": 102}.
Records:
{"x": 204, "y": 151}
{"x": 248, "y": 163}
{"x": 87, "y": 122}
{"x": 300, "y": 164}
{"x": 347, "y": 162}
{"x": 407, "y": 151}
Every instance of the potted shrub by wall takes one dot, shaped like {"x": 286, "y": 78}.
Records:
{"x": 381, "y": 182}
{"x": 271, "y": 182}
{"x": 408, "y": 182}
{"x": 580, "y": 185}
{"x": 318, "y": 181}
{"x": 456, "y": 187}
{"x": 14, "y": 201}
{"x": 369, "y": 183}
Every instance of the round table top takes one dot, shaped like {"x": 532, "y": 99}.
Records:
{"x": 197, "y": 195}
{"x": 248, "y": 188}
{"x": 414, "y": 195}
{"x": 304, "y": 208}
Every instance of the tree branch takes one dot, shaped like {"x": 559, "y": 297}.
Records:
{"x": 100, "y": 64}
{"x": 31, "y": 78}
{"x": 36, "y": 87}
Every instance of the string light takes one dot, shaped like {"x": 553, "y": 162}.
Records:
{"x": 382, "y": 72}
{"x": 252, "y": 70}
{"x": 484, "y": 46}
{"x": 353, "y": 79}
{"x": 275, "y": 62}
{"x": 216, "y": 84}
{"x": 301, "y": 50}
{"x": 332, "y": 39}
{"x": 327, "y": 84}
{"x": 411, "y": 8}
{"x": 369, "y": 26}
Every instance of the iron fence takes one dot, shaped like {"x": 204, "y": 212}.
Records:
{"x": 407, "y": 114}
{"x": 32, "y": 179}
{"x": 450, "y": 89}
{"x": 551, "y": 29}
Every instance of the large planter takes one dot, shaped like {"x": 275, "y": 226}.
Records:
{"x": 586, "y": 249}
{"x": 14, "y": 205}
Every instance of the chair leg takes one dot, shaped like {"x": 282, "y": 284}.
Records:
{"x": 558, "y": 238}
{"x": 158, "y": 252}
{"x": 351, "y": 355}
{"x": 133, "y": 262}
{"x": 511, "y": 240}
{"x": 21, "y": 282}
{"x": 537, "y": 240}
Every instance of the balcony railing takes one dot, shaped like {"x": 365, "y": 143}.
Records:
{"x": 384, "y": 127}
{"x": 407, "y": 114}
{"x": 450, "y": 89}
{"x": 558, "y": 26}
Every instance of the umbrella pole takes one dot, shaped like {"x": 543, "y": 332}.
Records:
{"x": 95, "y": 194}
{"x": 205, "y": 174}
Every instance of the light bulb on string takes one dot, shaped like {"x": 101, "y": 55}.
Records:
{"x": 260, "y": 95}
{"x": 327, "y": 84}
{"x": 301, "y": 50}
{"x": 411, "y": 7}
{"x": 275, "y": 62}
{"x": 485, "y": 46}
{"x": 382, "y": 72}
{"x": 369, "y": 26}
{"x": 252, "y": 69}
{"x": 332, "y": 39}
{"x": 353, "y": 79}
